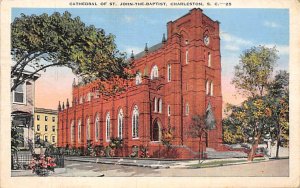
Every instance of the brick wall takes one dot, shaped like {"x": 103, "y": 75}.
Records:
{"x": 187, "y": 86}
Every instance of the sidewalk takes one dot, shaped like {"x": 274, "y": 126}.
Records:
{"x": 125, "y": 161}
{"x": 61, "y": 172}
{"x": 171, "y": 165}
{"x": 150, "y": 163}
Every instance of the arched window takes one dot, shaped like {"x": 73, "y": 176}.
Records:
{"x": 72, "y": 131}
{"x": 108, "y": 127}
{"x": 169, "y": 110}
{"x": 209, "y": 60}
{"x": 160, "y": 105}
{"x": 138, "y": 78}
{"x": 88, "y": 129}
{"x": 211, "y": 88}
{"x": 97, "y": 127}
{"x": 120, "y": 123}
{"x": 135, "y": 122}
{"x": 154, "y": 72}
{"x": 155, "y": 104}
{"x": 187, "y": 56}
{"x": 79, "y": 130}
{"x": 187, "y": 109}
{"x": 207, "y": 87}
{"x": 169, "y": 73}
{"x": 155, "y": 136}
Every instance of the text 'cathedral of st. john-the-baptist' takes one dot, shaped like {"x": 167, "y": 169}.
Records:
{"x": 176, "y": 80}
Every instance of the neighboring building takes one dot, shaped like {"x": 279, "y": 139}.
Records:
{"x": 22, "y": 108}
{"x": 45, "y": 125}
{"x": 175, "y": 80}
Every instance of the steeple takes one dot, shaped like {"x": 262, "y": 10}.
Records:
{"x": 132, "y": 55}
{"x": 59, "y": 107}
{"x": 164, "y": 39}
{"x": 67, "y": 105}
{"x": 63, "y": 105}
{"x": 146, "y": 48}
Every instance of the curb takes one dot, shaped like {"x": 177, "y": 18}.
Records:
{"x": 154, "y": 166}
{"x": 227, "y": 164}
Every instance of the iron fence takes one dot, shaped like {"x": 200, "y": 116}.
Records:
{"x": 22, "y": 161}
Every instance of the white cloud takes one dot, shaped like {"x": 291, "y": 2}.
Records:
{"x": 135, "y": 49}
{"x": 231, "y": 47}
{"x": 271, "y": 24}
{"x": 128, "y": 19}
{"x": 234, "y": 43}
{"x": 282, "y": 49}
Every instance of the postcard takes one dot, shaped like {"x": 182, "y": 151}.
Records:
{"x": 145, "y": 93}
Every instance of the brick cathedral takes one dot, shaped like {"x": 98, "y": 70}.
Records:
{"x": 175, "y": 80}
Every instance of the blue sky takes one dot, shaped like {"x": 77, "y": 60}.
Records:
{"x": 240, "y": 29}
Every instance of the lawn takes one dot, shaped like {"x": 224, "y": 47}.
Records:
{"x": 221, "y": 163}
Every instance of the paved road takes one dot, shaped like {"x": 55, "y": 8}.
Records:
{"x": 273, "y": 168}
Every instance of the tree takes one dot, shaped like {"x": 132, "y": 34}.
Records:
{"x": 43, "y": 41}
{"x": 16, "y": 138}
{"x": 278, "y": 94}
{"x": 198, "y": 127}
{"x": 255, "y": 119}
{"x": 261, "y": 117}
{"x": 252, "y": 74}
{"x": 232, "y": 129}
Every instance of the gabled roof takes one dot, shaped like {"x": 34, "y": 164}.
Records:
{"x": 27, "y": 72}
{"x": 151, "y": 49}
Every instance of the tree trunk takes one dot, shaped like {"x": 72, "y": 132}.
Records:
{"x": 251, "y": 155}
{"x": 278, "y": 143}
{"x": 199, "y": 150}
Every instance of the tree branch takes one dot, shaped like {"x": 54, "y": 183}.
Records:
{"x": 19, "y": 61}
{"x": 20, "y": 70}
{"x": 31, "y": 75}
{"x": 26, "y": 62}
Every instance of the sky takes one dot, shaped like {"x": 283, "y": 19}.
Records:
{"x": 240, "y": 29}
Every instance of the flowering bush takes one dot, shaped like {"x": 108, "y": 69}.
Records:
{"x": 167, "y": 136}
{"x": 144, "y": 152}
{"x": 41, "y": 165}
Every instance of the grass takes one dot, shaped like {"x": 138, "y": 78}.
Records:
{"x": 221, "y": 163}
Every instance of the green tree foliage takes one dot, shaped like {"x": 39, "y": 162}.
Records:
{"x": 261, "y": 117}
{"x": 232, "y": 130}
{"x": 278, "y": 95}
{"x": 252, "y": 120}
{"x": 254, "y": 70}
{"x": 42, "y": 41}
{"x": 265, "y": 112}
{"x": 16, "y": 138}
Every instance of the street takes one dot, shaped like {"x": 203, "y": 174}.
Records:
{"x": 272, "y": 168}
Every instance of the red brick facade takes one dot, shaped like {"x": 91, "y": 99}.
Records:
{"x": 187, "y": 78}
